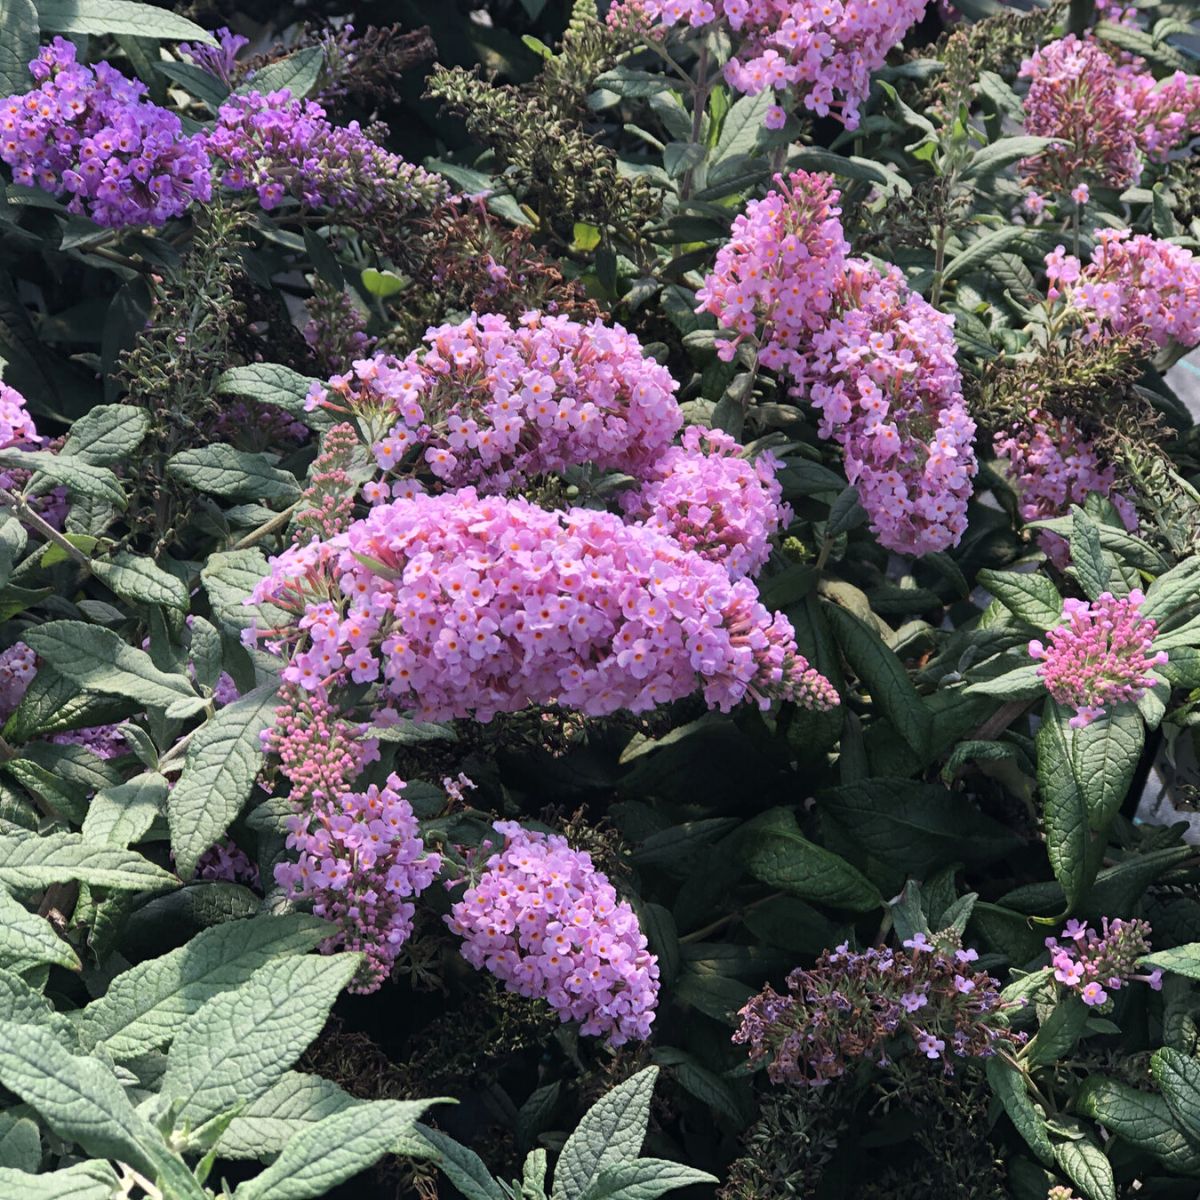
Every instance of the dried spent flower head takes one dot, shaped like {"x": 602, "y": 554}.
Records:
{"x": 873, "y": 1005}
{"x": 1102, "y": 655}
{"x": 541, "y": 918}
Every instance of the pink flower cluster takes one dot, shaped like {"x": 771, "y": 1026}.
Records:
{"x": 820, "y": 52}
{"x": 1135, "y": 286}
{"x": 712, "y": 501}
{"x": 360, "y": 860}
{"x": 1052, "y": 466}
{"x": 280, "y": 146}
{"x": 469, "y": 606}
{"x": 876, "y": 360}
{"x": 1111, "y": 116}
{"x": 546, "y": 922}
{"x": 1102, "y": 655}
{"x": 16, "y": 425}
{"x": 90, "y": 133}
{"x": 1091, "y": 961}
{"x": 491, "y": 405}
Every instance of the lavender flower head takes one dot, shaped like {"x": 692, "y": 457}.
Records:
{"x": 91, "y": 134}
{"x": 1102, "y": 655}
{"x": 546, "y": 922}
{"x": 873, "y": 1005}
{"x": 1094, "y": 963}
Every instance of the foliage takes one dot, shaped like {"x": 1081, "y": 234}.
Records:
{"x": 609, "y": 638}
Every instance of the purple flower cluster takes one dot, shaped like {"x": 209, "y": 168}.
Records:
{"x": 90, "y": 133}
{"x": 336, "y": 329}
{"x": 819, "y": 52}
{"x": 492, "y": 406}
{"x": 876, "y": 360}
{"x": 361, "y": 859}
{"x": 220, "y": 61}
{"x": 546, "y": 922}
{"x": 1135, "y": 286}
{"x": 1052, "y": 466}
{"x": 712, "y": 501}
{"x": 16, "y": 425}
{"x": 227, "y": 862}
{"x": 1102, "y": 655}
{"x": 1089, "y": 961}
{"x": 1111, "y": 115}
{"x": 280, "y": 147}
{"x": 18, "y": 666}
{"x": 466, "y": 606}
{"x": 857, "y": 1006}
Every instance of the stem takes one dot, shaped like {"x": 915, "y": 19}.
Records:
{"x": 727, "y": 919}
{"x": 23, "y": 511}
{"x": 278, "y": 521}
{"x": 699, "y": 104}
{"x": 939, "y": 264}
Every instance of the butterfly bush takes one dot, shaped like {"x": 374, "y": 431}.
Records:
{"x": 490, "y": 404}
{"x": 1135, "y": 285}
{"x": 360, "y": 860}
{"x": 865, "y": 1006}
{"x": 543, "y": 920}
{"x": 1052, "y": 466}
{"x": 460, "y": 606}
{"x": 712, "y": 501}
{"x": 227, "y": 862}
{"x": 219, "y": 61}
{"x": 1093, "y": 962}
{"x": 1110, "y": 116}
{"x": 18, "y": 432}
{"x": 89, "y": 133}
{"x": 876, "y": 360}
{"x": 279, "y": 146}
{"x": 1102, "y": 655}
{"x": 817, "y": 53}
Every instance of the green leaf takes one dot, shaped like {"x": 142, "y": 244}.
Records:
{"x": 234, "y": 474}
{"x": 13, "y": 540}
{"x": 98, "y": 660}
{"x": 146, "y": 1006}
{"x": 77, "y": 1096}
{"x": 1170, "y": 592}
{"x": 1087, "y": 1168}
{"x": 1137, "y": 41}
{"x": 273, "y": 383}
{"x": 18, "y": 45}
{"x": 646, "y": 1179}
{"x": 413, "y": 733}
{"x": 54, "y": 703}
{"x": 1083, "y": 775}
{"x": 1008, "y": 1085}
{"x": 1142, "y": 1119}
{"x": 242, "y": 1042}
{"x": 121, "y": 814}
{"x": 108, "y": 434}
{"x": 812, "y": 158}
{"x": 118, "y": 16}
{"x": 915, "y": 827}
{"x": 462, "y": 1166}
{"x": 1030, "y": 597}
{"x": 1087, "y": 555}
{"x": 223, "y": 761}
{"x": 978, "y": 253}
{"x": 610, "y": 1134}
{"x": 83, "y": 1181}
{"x": 883, "y": 675}
{"x": 1004, "y": 152}
{"x": 297, "y": 72}
{"x": 742, "y": 126}
{"x": 77, "y": 476}
{"x": 26, "y": 938}
{"x": 1059, "y": 1032}
{"x": 775, "y": 853}
{"x": 30, "y": 860}
{"x": 20, "y": 1143}
{"x": 229, "y": 577}
{"x": 24, "y": 1006}
{"x": 199, "y": 83}
{"x": 632, "y": 84}
{"x": 295, "y": 1104}
{"x": 142, "y": 581}
{"x": 1178, "y": 1075}
{"x": 1180, "y": 960}
{"x": 335, "y": 1149}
